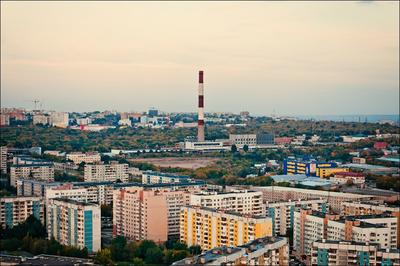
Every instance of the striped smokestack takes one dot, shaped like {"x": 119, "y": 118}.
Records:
{"x": 200, "y": 125}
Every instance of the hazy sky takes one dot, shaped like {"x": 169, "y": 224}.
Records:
{"x": 294, "y": 57}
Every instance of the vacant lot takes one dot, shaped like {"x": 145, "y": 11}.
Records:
{"x": 188, "y": 163}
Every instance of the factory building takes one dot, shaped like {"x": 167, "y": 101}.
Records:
{"x": 251, "y": 140}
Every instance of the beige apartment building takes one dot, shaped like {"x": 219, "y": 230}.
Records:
{"x": 15, "y": 210}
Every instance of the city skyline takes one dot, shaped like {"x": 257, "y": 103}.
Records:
{"x": 338, "y": 58}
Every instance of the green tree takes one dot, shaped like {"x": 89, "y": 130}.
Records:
{"x": 153, "y": 255}
{"x": 103, "y": 257}
{"x": 233, "y": 148}
{"x": 246, "y": 148}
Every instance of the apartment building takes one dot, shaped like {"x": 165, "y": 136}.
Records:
{"x": 240, "y": 201}
{"x": 262, "y": 251}
{"x": 106, "y": 172}
{"x": 35, "y": 171}
{"x": 74, "y": 223}
{"x": 352, "y": 253}
{"x": 334, "y": 199}
{"x": 140, "y": 213}
{"x": 282, "y": 212}
{"x": 36, "y": 188}
{"x": 313, "y": 226}
{"x": 151, "y": 177}
{"x": 3, "y": 159}
{"x": 210, "y": 228}
{"x": 59, "y": 119}
{"x": 365, "y": 208}
{"x": 15, "y": 210}
{"x": 79, "y": 157}
{"x": 40, "y": 119}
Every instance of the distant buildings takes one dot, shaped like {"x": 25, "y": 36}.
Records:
{"x": 348, "y": 177}
{"x": 74, "y": 223}
{"x": 106, "y": 172}
{"x": 15, "y": 210}
{"x": 359, "y": 160}
{"x": 35, "y": 171}
{"x": 282, "y": 140}
{"x": 251, "y": 140}
{"x": 310, "y": 167}
{"x": 262, "y": 251}
{"x": 151, "y": 177}
{"x": 4, "y": 120}
{"x": 210, "y": 228}
{"x": 59, "y": 119}
{"x": 40, "y": 119}
{"x": 3, "y": 159}
{"x": 206, "y": 145}
{"x": 79, "y": 157}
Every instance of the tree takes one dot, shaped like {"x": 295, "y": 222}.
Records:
{"x": 153, "y": 256}
{"x": 103, "y": 257}
{"x": 233, "y": 148}
{"x": 138, "y": 262}
{"x": 246, "y": 148}
{"x": 143, "y": 247}
{"x": 194, "y": 250}
{"x": 118, "y": 250}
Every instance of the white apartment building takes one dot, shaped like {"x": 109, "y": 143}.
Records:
{"x": 334, "y": 199}
{"x": 364, "y": 208}
{"x": 59, "y": 119}
{"x": 152, "y": 177}
{"x": 40, "y": 171}
{"x": 352, "y": 253}
{"x": 15, "y": 210}
{"x": 89, "y": 157}
{"x": 240, "y": 201}
{"x": 3, "y": 159}
{"x": 106, "y": 172}
{"x": 74, "y": 223}
{"x": 282, "y": 212}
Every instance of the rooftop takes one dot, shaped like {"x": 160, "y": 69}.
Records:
{"x": 165, "y": 174}
{"x": 48, "y": 260}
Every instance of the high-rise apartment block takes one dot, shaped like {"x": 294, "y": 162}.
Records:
{"x": 330, "y": 252}
{"x": 74, "y": 223}
{"x": 3, "y": 159}
{"x": 79, "y": 157}
{"x": 148, "y": 214}
{"x": 210, "y": 228}
{"x": 311, "y": 226}
{"x": 106, "y": 172}
{"x": 40, "y": 119}
{"x": 34, "y": 171}
{"x": 282, "y": 212}
{"x": 15, "y": 210}
{"x": 262, "y": 251}
{"x": 240, "y": 201}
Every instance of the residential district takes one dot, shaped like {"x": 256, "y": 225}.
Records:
{"x": 295, "y": 195}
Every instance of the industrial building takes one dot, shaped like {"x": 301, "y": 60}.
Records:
{"x": 251, "y": 140}
{"x": 310, "y": 167}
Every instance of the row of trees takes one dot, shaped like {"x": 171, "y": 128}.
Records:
{"x": 144, "y": 252}
{"x": 30, "y": 236}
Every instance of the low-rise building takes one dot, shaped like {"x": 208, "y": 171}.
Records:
{"x": 74, "y": 223}
{"x": 152, "y": 177}
{"x": 15, "y": 210}
{"x": 262, "y": 251}
{"x": 348, "y": 177}
{"x": 251, "y": 140}
{"x": 210, "y": 228}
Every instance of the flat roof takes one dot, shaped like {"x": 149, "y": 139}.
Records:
{"x": 166, "y": 174}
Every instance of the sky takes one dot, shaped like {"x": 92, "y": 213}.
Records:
{"x": 287, "y": 58}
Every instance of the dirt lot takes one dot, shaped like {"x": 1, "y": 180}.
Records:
{"x": 188, "y": 163}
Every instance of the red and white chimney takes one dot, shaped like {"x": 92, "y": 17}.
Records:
{"x": 200, "y": 123}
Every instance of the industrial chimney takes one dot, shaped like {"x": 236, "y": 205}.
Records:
{"x": 200, "y": 125}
